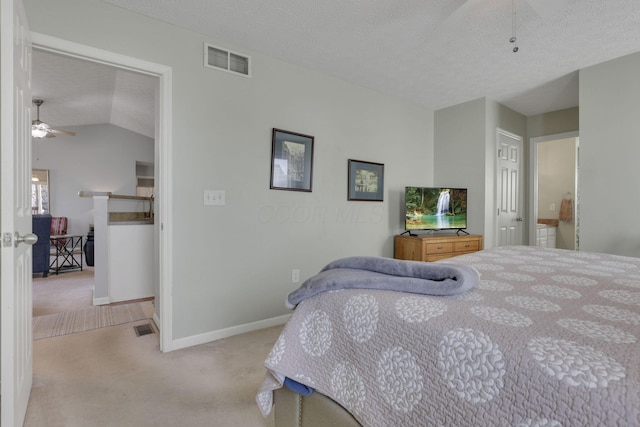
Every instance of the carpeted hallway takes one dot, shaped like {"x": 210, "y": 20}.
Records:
{"x": 109, "y": 376}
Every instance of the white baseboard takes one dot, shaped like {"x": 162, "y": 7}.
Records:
{"x": 228, "y": 332}
{"x": 101, "y": 301}
{"x": 156, "y": 320}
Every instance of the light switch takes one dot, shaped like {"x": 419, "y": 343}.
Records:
{"x": 214, "y": 197}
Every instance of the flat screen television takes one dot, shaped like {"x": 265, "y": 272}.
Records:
{"x": 435, "y": 208}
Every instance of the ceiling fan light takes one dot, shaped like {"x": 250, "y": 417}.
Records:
{"x": 36, "y": 132}
{"x": 40, "y": 129}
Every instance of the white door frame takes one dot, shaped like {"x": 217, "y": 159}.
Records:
{"x": 533, "y": 179}
{"x": 520, "y": 139}
{"x": 163, "y": 148}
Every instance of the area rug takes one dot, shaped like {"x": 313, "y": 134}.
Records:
{"x": 86, "y": 319}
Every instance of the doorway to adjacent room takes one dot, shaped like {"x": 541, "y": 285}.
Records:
{"x": 554, "y": 201}
{"x": 162, "y": 138}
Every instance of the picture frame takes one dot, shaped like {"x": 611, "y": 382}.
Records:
{"x": 291, "y": 161}
{"x": 366, "y": 181}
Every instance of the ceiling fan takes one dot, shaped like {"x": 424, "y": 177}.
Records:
{"x": 40, "y": 129}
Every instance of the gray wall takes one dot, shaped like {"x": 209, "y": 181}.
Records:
{"x": 553, "y": 123}
{"x": 232, "y": 264}
{"x": 609, "y": 153}
{"x": 457, "y": 150}
{"x": 465, "y": 152}
{"x": 99, "y": 158}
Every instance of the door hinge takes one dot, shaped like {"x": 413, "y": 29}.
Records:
{"x": 7, "y": 240}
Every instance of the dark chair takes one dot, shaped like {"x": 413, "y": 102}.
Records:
{"x": 41, "y": 227}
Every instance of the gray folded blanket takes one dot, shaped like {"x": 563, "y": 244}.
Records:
{"x": 388, "y": 274}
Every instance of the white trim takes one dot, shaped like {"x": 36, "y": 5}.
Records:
{"x": 88, "y": 53}
{"x": 163, "y": 145}
{"x": 101, "y": 301}
{"x": 228, "y": 332}
{"x": 533, "y": 177}
{"x": 164, "y": 129}
{"x": 555, "y": 137}
{"x": 156, "y": 320}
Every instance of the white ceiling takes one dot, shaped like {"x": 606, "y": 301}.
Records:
{"x": 78, "y": 92}
{"x": 435, "y": 53}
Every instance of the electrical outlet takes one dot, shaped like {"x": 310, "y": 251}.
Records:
{"x": 214, "y": 197}
{"x": 295, "y": 275}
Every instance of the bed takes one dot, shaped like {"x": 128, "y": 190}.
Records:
{"x": 548, "y": 337}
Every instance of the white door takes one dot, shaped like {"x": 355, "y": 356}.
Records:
{"x": 15, "y": 222}
{"x": 510, "y": 222}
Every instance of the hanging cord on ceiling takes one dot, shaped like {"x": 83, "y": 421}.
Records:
{"x": 513, "y": 26}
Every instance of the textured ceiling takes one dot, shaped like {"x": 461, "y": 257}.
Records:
{"x": 436, "y": 53}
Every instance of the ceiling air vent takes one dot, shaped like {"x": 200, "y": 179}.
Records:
{"x": 225, "y": 60}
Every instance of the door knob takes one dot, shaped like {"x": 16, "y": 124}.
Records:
{"x": 519, "y": 219}
{"x": 29, "y": 239}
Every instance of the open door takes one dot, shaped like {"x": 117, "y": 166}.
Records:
{"x": 16, "y": 349}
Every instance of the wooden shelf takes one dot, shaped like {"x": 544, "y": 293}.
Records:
{"x": 434, "y": 247}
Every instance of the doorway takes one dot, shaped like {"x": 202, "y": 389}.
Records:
{"x": 554, "y": 191}
{"x": 114, "y": 114}
{"x": 102, "y": 153}
{"x": 162, "y": 147}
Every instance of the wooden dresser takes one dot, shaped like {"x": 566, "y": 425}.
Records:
{"x": 434, "y": 247}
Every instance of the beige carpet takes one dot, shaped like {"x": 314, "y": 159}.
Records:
{"x": 111, "y": 377}
{"x": 86, "y": 319}
{"x": 68, "y": 291}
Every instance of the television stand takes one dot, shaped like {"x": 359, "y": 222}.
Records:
{"x": 435, "y": 247}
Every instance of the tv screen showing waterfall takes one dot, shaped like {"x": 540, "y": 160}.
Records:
{"x": 435, "y": 208}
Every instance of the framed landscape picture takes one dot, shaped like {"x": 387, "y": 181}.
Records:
{"x": 366, "y": 181}
{"x": 291, "y": 161}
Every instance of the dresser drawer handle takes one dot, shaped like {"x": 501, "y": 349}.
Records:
{"x": 440, "y": 247}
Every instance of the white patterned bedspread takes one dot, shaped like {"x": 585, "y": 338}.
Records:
{"x": 548, "y": 338}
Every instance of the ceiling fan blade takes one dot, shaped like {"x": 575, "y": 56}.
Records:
{"x": 61, "y": 132}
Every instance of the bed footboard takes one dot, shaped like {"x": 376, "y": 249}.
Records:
{"x": 316, "y": 410}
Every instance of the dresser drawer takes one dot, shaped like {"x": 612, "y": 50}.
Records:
{"x": 434, "y": 247}
{"x": 439, "y": 248}
{"x": 469, "y": 246}
{"x": 438, "y": 257}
